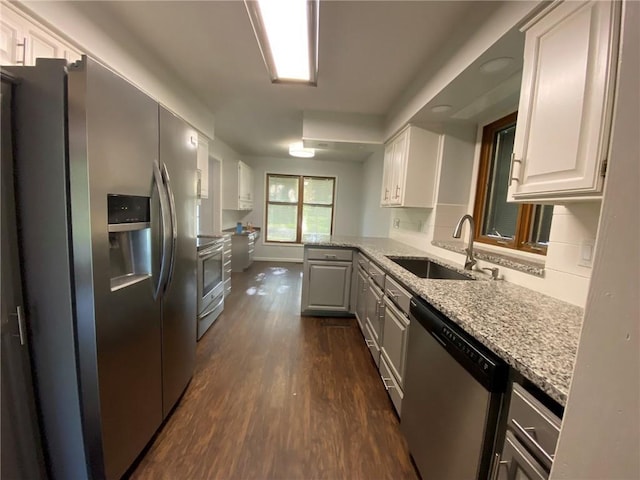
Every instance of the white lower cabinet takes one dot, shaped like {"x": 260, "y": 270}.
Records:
{"x": 326, "y": 284}
{"x": 374, "y": 312}
{"x": 394, "y": 342}
{"x": 391, "y": 385}
{"x": 361, "y": 297}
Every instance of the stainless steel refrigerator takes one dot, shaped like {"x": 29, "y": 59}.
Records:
{"x": 105, "y": 187}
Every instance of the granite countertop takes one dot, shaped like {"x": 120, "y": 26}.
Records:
{"x": 245, "y": 232}
{"x": 534, "y": 333}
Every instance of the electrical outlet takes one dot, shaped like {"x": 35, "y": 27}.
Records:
{"x": 587, "y": 246}
{"x": 396, "y": 223}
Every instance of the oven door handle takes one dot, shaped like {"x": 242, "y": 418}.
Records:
{"x": 210, "y": 252}
{"x": 210, "y": 310}
{"x": 159, "y": 286}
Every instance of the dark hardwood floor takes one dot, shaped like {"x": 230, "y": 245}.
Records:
{"x": 279, "y": 396}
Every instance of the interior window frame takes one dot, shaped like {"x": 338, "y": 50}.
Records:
{"x": 300, "y": 204}
{"x": 526, "y": 211}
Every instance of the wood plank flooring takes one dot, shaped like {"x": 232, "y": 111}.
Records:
{"x": 279, "y": 396}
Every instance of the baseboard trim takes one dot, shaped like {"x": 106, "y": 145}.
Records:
{"x": 277, "y": 259}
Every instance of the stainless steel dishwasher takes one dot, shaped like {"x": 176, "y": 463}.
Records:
{"x": 454, "y": 388}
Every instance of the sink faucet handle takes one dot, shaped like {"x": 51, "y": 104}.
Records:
{"x": 494, "y": 272}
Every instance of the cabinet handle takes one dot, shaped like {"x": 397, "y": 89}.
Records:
{"x": 369, "y": 343}
{"x": 514, "y": 160}
{"x": 393, "y": 294}
{"x": 24, "y": 51}
{"x": 527, "y": 432}
{"x": 386, "y": 194}
{"x": 326, "y": 255}
{"x": 397, "y": 191}
{"x": 386, "y": 385}
{"x": 22, "y": 325}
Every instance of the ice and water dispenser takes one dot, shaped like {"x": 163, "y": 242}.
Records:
{"x": 129, "y": 239}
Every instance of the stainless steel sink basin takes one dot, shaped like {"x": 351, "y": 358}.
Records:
{"x": 428, "y": 269}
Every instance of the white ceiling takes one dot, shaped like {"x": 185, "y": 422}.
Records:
{"x": 369, "y": 53}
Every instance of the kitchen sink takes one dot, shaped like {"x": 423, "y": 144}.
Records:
{"x": 427, "y": 269}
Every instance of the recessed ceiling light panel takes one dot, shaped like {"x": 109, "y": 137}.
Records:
{"x": 298, "y": 150}
{"x": 440, "y": 108}
{"x": 496, "y": 65}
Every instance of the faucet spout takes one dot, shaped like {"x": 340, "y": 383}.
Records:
{"x": 457, "y": 232}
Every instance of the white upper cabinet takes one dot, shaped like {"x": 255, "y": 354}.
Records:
{"x": 237, "y": 181}
{"x": 245, "y": 187}
{"x": 411, "y": 162}
{"x": 203, "y": 166}
{"x": 22, "y": 41}
{"x": 562, "y": 134}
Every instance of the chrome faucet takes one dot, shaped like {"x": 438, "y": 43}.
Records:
{"x": 469, "y": 261}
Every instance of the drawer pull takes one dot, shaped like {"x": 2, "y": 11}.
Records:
{"x": 369, "y": 343}
{"x": 326, "y": 255}
{"x": 525, "y": 432}
{"x": 387, "y": 386}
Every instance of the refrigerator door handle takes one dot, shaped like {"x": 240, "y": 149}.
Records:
{"x": 164, "y": 221}
{"x": 174, "y": 224}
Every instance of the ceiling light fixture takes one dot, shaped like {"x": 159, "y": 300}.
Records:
{"x": 496, "y": 65}
{"x": 297, "y": 149}
{"x": 287, "y": 34}
{"x": 440, "y": 108}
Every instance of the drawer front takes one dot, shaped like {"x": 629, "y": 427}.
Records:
{"x": 371, "y": 344}
{"x": 533, "y": 423}
{"x": 517, "y": 464}
{"x": 363, "y": 262}
{"x": 333, "y": 254}
{"x": 394, "y": 341}
{"x": 397, "y": 293}
{"x": 392, "y": 387}
{"x": 376, "y": 274}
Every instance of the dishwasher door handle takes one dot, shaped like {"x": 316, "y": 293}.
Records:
{"x": 441, "y": 341}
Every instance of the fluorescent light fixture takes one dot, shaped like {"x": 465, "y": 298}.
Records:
{"x": 440, "y": 108}
{"x": 496, "y": 65}
{"x": 297, "y": 149}
{"x": 287, "y": 34}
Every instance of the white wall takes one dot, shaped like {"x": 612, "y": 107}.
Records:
{"x": 375, "y": 219}
{"x": 107, "y": 41}
{"x": 348, "y": 210}
{"x": 600, "y": 435}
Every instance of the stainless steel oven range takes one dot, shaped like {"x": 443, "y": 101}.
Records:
{"x": 210, "y": 283}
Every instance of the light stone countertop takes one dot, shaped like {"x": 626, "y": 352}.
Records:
{"x": 534, "y": 333}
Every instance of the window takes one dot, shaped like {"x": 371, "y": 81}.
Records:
{"x": 298, "y": 206}
{"x": 511, "y": 225}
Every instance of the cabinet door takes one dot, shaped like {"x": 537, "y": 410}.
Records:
{"x": 387, "y": 175}
{"x": 245, "y": 182}
{"x": 203, "y": 166}
{"x": 565, "y": 102}
{"x": 399, "y": 162}
{"x": 41, "y": 45}
{"x": 12, "y": 51}
{"x": 394, "y": 342}
{"x": 361, "y": 307}
{"x": 374, "y": 310}
{"x": 326, "y": 286}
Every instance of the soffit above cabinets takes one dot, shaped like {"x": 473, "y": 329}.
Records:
{"x": 370, "y": 53}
